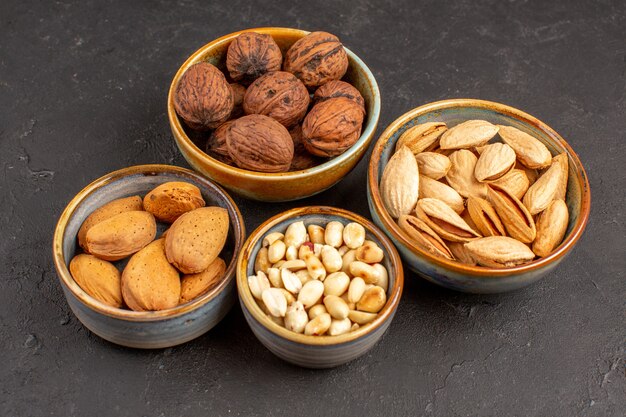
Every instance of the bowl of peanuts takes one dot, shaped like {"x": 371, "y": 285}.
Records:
{"x": 319, "y": 285}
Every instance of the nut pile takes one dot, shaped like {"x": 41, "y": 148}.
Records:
{"x": 477, "y": 193}
{"x": 265, "y": 119}
{"x": 317, "y": 280}
{"x": 151, "y": 280}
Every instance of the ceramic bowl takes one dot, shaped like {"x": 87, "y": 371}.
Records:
{"x": 276, "y": 186}
{"x": 452, "y": 274}
{"x": 316, "y": 351}
{"x": 151, "y": 329}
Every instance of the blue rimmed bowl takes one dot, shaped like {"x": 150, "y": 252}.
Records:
{"x": 317, "y": 351}
{"x": 283, "y": 186}
{"x": 455, "y": 275}
{"x": 145, "y": 329}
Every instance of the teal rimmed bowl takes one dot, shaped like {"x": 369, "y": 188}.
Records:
{"x": 451, "y": 274}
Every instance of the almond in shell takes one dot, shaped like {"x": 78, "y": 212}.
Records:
{"x": 433, "y": 165}
{"x": 399, "y": 186}
{"x": 422, "y": 137}
{"x": 495, "y": 160}
{"x": 100, "y": 279}
{"x": 194, "y": 285}
{"x": 544, "y": 190}
{"x": 529, "y": 150}
{"x": 551, "y": 228}
{"x": 444, "y": 221}
{"x": 562, "y": 162}
{"x": 149, "y": 282}
{"x": 424, "y": 236}
{"x": 515, "y": 182}
{"x": 169, "y": 200}
{"x": 468, "y": 135}
{"x": 516, "y": 218}
{"x": 121, "y": 235}
{"x": 461, "y": 174}
{"x": 499, "y": 251}
{"x": 460, "y": 253}
{"x": 196, "y": 238}
{"x": 485, "y": 217}
{"x": 429, "y": 188}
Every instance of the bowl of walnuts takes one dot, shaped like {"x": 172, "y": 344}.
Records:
{"x": 477, "y": 196}
{"x": 274, "y": 114}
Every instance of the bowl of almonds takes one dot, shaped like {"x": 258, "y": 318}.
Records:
{"x": 274, "y": 114}
{"x": 477, "y": 196}
{"x": 146, "y": 255}
{"x": 319, "y": 286}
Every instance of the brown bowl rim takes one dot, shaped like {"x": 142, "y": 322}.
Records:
{"x": 253, "y": 308}
{"x": 182, "y": 140}
{"x": 477, "y": 271}
{"x": 141, "y": 316}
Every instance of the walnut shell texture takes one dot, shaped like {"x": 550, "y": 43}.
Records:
{"x": 203, "y": 97}
{"x": 238, "y": 92}
{"x": 216, "y": 145}
{"x": 251, "y": 55}
{"x": 302, "y": 159}
{"x": 316, "y": 59}
{"x": 338, "y": 88}
{"x": 259, "y": 143}
{"x": 332, "y": 126}
{"x": 279, "y": 95}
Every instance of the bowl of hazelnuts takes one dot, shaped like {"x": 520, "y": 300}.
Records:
{"x": 274, "y": 114}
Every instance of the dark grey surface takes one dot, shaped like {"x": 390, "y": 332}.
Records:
{"x": 82, "y": 90}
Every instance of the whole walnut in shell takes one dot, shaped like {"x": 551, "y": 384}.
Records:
{"x": 216, "y": 145}
{"x": 203, "y": 97}
{"x": 279, "y": 95}
{"x": 332, "y": 126}
{"x": 259, "y": 143}
{"x": 338, "y": 88}
{"x": 302, "y": 159}
{"x": 316, "y": 59}
{"x": 251, "y": 55}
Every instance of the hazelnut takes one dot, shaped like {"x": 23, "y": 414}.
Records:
{"x": 279, "y": 95}
{"x": 259, "y": 143}
{"x": 316, "y": 59}
{"x": 203, "y": 98}
{"x": 338, "y": 88}
{"x": 302, "y": 159}
{"x": 332, "y": 126}
{"x": 216, "y": 145}
{"x": 238, "y": 92}
{"x": 251, "y": 55}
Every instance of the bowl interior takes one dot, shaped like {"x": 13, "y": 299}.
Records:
{"x": 215, "y": 53}
{"x": 453, "y": 112}
{"x": 320, "y": 216}
{"x": 139, "y": 181}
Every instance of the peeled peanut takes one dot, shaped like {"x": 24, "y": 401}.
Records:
{"x": 383, "y": 276}
{"x": 353, "y": 235}
{"x": 318, "y": 326}
{"x": 315, "y": 267}
{"x": 336, "y": 307}
{"x": 291, "y": 282}
{"x": 347, "y": 259}
{"x": 295, "y": 235}
{"x": 316, "y": 233}
{"x": 360, "y": 269}
{"x": 317, "y": 249}
{"x": 288, "y": 296}
{"x": 271, "y": 238}
{"x": 331, "y": 259}
{"x": 303, "y": 276}
{"x": 296, "y": 317}
{"x": 276, "y": 251}
{"x": 361, "y": 317}
{"x": 311, "y": 292}
{"x": 273, "y": 274}
{"x": 316, "y": 310}
{"x": 305, "y": 248}
{"x": 336, "y": 283}
{"x": 373, "y": 300}
{"x": 258, "y": 283}
{"x": 370, "y": 253}
{"x": 275, "y": 301}
{"x": 356, "y": 290}
{"x": 342, "y": 250}
{"x": 291, "y": 253}
{"x": 294, "y": 264}
{"x": 333, "y": 235}
{"x": 262, "y": 262}
{"x": 338, "y": 327}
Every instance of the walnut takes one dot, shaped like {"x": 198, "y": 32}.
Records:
{"x": 251, "y": 55}
{"x": 302, "y": 159}
{"x": 259, "y": 143}
{"x": 337, "y": 88}
{"x": 332, "y": 126}
{"x": 216, "y": 145}
{"x": 238, "y": 92}
{"x": 203, "y": 98}
{"x": 316, "y": 59}
{"x": 279, "y": 95}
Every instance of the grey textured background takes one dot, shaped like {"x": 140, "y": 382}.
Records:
{"x": 82, "y": 92}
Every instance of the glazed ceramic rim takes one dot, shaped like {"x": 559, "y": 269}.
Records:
{"x": 66, "y": 278}
{"x": 476, "y": 271}
{"x": 253, "y": 308}
{"x": 184, "y": 141}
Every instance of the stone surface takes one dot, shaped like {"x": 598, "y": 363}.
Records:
{"x": 83, "y": 87}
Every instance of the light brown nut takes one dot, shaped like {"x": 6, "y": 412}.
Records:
{"x": 461, "y": 174}
{"x": 121, "y": 235}
{"x": 346, "y": 260}
{"x": 291, "y": 254}
{"x": 305, "y": 249}
{"x": 485, "y": 217}
{"x": 373, "y": 300}
{"x": 110, "y": 209}
{"x": 315, "y": 267}
{"x": 319, "y": 325}
{"x": 316, "y": 310}
{"x": 295, "y": 235}
{"x": 460, "y": 253}
{"x": 356, "y": 290}
{"x": 353, "y": 235}
{"x": 370, "y": 253}
{"x": 515, "y": 182}
{"x": 276, "y": 251}
{"x": 100, "y": 279}
{"x": 331, "y": 259}
{"x": 551, "y": 228}
{"x": 278, "y": 320}
{"x": 262, "y": 262}
{"x": 294, "y": 264}
{"x": 529, "y": 150}
{"x": 515, "y": 217}
{"x": 496, "y": 160}
{"x": 429, "y": 188}
{"x": 316, "y": 233}
{"x": 468, "y": 135}
{"x": 336, "y": 283}
{"x": 425, "y": 237}
{"x": 288, "y": 296}
{"x": 257, "y": 284}
{"x": 399, "y": 186}
{"x": 544, "y": 190}
{"x": 361, "y": 317}
{"x": 311, "y": 293}
{"x": 149, "y": 282}
{"x": 422, "y": 137}
{"x": 562, "y": 162}
{"x": 343, "y": 249}
{"x": 338, "y": 327}
{"x": 333, "y": 235}
{"x": 296, "y": 317}
{"x": 336, "y": 307}
{"x": 275, "y": 301}
{"x": 271, "y": 238}
{"x": 194, "y": 285}
{"x": 433, "y": 165}
{"x": 383, "y": 276}
{"x": 532, "y": 174}
{"x": 367, "y": 272}
{"x": 273, "y": 275}
{"x": 444, "y": 221}
{"x": 291, "y": 282}
{"x": 196, "y": 238}
{"x": 499, "y": 251}
{"x": 171, "y": 199}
